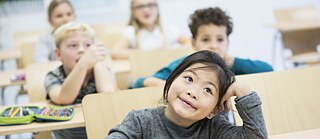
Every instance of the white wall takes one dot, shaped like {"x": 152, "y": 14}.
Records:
{"x": 252, "y": 38}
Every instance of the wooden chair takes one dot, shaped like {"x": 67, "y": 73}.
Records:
{"x": 25, "y": 58}
{"x": 27, "y": 53}
{"x": 104, "y": 111}
{"x": 290, "y": 99}
{"x": 146, "y": 63}
{"x": 109, "y": 33}
{"x": 299, "y": 29}
{"x": 27, "y": 36}
{"x": 35, "y": 76}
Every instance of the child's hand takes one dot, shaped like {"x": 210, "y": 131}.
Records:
{"x": 237, "y": 89}
{"x": 93, "y": 54}
{"x": 103, "y": 65}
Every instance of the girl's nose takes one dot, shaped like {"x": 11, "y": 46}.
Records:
{"x": 192, "y": 95}
{"x": 66, "y": 19}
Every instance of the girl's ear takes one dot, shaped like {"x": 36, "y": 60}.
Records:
{"x": 215, "y": 112}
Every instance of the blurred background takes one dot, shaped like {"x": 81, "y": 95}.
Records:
{"x": 252, "y": 37}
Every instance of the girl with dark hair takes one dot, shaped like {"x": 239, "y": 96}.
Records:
{"x": 194, "y": 94}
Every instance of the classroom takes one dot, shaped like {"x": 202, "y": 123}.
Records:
{"x": 97, "y": 69}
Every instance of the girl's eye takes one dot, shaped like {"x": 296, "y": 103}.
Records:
{"x": 220, "y": 40}
{"x": 88, "y": 45}
{"x": 59, "y": 15}
{"x": 207, "y": 90}
{"x": 189, "y": 79}
{"x": 205, "y": 40}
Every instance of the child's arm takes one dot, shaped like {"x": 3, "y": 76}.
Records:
{"x": 152, "y": 81}
{"x": 237, "y": 89}
{"x": 69, "y": 90}
{"x": 248, "y": 105}
{"x": 185, "y": 41}
{"x": 104, "y": 78}
{"x": 121, "y": 49}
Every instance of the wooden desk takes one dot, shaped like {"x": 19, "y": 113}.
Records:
{"x": 120, "y": 67}
{"x": 5, "y": 78}
{"x": 306, "y": 134}
{"x": 9, "y": 54}
{"x": 297, "y": 26}
{"x": 290, "y": 99}
{"x": 122, "y": 70}
{"x": 76, "y": 121}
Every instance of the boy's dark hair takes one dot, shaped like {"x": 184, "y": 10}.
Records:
{"x": 209, "y": 16}
{"x": 213, "y": 62}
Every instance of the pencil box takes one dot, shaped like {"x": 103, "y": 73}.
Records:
{"x": 26, "y": 114}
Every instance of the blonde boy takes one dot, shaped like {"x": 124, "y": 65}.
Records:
{"x": 83, "y": 70}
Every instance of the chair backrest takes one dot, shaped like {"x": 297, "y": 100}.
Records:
{"x": 27, "y": 52}
{"x": 35, "y": 76}
{"x": 104, "y": 111}
{"x": 146, "y": 63}
{"x": 27, "y": 36}
{"x": 290, "y": 99}
{"x": 25, "y": 42}
{"x": 109, "y": 33}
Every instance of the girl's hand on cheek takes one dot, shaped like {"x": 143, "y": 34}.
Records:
{"x": 237, "y": 89}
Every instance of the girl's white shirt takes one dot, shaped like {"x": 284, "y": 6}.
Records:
{"x": 149, "y": 40}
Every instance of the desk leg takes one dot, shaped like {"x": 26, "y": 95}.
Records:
{"x": 7, "y": 137}
{"x": 2, "y": 96}
{"x": 2, "y": 65}
{"x": 21, "y": 92}
{"x": 274, "y": 51}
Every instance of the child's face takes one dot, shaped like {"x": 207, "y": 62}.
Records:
{"x": 72, "y": 48}
{"x": 193, "y": 95}
{"x": 145, "y": 11}
{"x": 62, "y": 14}
{"x": 213, "y": 38}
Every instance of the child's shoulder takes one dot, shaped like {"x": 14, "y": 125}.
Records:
{"x": 57, "y": 72}
{"x": 149, "y": 112}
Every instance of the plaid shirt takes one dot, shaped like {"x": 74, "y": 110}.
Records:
{"x": 57, "y": 77}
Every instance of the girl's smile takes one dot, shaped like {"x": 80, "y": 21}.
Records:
{"x": 187, "y": 103}
{"x": 193, "y": 95}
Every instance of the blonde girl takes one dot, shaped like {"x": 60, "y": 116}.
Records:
{"x": 145, "y": 32}
{"x": 59, "y": 13}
